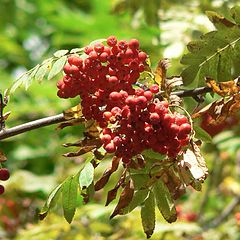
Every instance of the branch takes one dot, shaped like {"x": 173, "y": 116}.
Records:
{"x": 6, "y": 133}
{"x": 225, "y": 213}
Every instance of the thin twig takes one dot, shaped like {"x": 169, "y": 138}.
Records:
{"x": 6, "y": 133}
{"x": 225, "y": 213}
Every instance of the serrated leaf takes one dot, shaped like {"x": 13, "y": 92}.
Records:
{"x": 125, "y": 199}
{"x": 60, "y": 53}
{"x": 213, "y": 56}
{"x": 57, "y": 67}
{"x": 148, "y": 215}
{"x": 165, "y": 202}
{"x": 76, "y": 50}
{"x": 42, "y": 72}
{"x": 138, "y": 198}
{"x": 108, "y": 172}
{"x": 51, "y": 201}
{"x": 86, "y": 175}
{"x": 100, "y": 40}
{"x": 18, "y": 83}
{"x": 69, "y": 198}
{"x": 235, "y": 13}
{"x": 202, "y": 134}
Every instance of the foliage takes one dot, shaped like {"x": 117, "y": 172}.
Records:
{"x": 39, "y": 151}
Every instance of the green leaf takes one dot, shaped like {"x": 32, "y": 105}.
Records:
{"x": 202, "y": 134}
{"x": 138, "y": 198}
{"x": 165, "y": 202}
{"x": 148, "y": 215}
{"x": 51, "y": 201}
{"x": 235, "y": 13}
{"x": 18, "y": 83}
{"x": 42, "y": 72}
{"x": 86, "y": 175}
{"x": 215, "y": 54}
{"x": 57, "y": 67}
{"x": 77, "y": 50}
{"x": 69, "y": 197}
{"x": 97, "y": 41}
{"x": 60, "y": 53}
{"x": 149, "y": 153}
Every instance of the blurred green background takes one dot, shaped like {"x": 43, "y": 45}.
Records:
{"x": 31, "y": 31}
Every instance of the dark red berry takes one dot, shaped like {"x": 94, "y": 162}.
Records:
{"x": 4, "y": 174}
{"x": 2, "y": 189}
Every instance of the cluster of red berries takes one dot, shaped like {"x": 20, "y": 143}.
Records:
{"x": 144, "y": 123}
{"x": 132, "y": 119}
{"x": 4, "y": 176}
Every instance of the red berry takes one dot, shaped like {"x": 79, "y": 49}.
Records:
{"x": 154, "y": 118}
{"x": 185, "y": 128}
{"x": 133, "y": 44}
{"x": 75, "y": 60}
{"x": 110, "y": 147}
{"x": 115, "y": 96}
{"x": 2, "y": 189}
{"x": 106, "y": 138}
{"x": 4, "y": 174}
{"x": 99, "y": 47}
{"x": 142, "y": 56}
{"x": 148, "y": 95}
{"x": 111, "y": 41}
{"x": 107, "y": 115}
{"x": 154, "y": 88}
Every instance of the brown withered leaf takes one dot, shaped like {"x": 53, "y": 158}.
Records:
{"x": 160, "y": 72}
{"x": 194, "y": 161}
{"x": 92, "y": 129}
{"x": 69, "y": 123}
{"x": 173, "y": 183}
{"x": 106, "y": 175}
{"x": 125, "y": 198}
{"x": 220, "y": 110}
{"x": 113, "y": 193}
{"x": 73, "y": 113}
{"x": 172, "y": 82}
{"x": 228, "y": 88}
{"x": 3, "y": 158}
{"x": 80, "y": 152}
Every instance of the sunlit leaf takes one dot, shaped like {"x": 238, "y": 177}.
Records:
{"x": 86, "y": 175}
{"x": 57, "y": 67}
{"x": 202, "y": 134}
{"x": 42, "y": 71}
{"x": 165, "y": 202}
{"x": 148, "y": 215}
{"x": 60, "y": 53}
{"x": 69, "y": 197}
{"x": 125, "y": 199}
{"x": 51, "y": 201}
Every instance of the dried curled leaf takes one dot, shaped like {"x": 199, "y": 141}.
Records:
{"x": 106, "y": 175}
{"x": 113, "y": 193}
{"x": 224, "y": 88}
{"x": 195, "y": 163}
{"x": 160, "y": 72}
{"x": 73, "y": 113}
{"x": 3, "y": 158}
{"x": 220, "y": 110}
{"x": 125, "y": 198}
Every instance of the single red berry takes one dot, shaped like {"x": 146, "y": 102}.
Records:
{"x": 75, "y": 60}
{"x": 103, "y": 57}
{"x": 115, "y": 96}
{"x": 180, "y": 119}
{"x": 111, "y": 41}
{"x": 2, "y": 189}
{"x": 113, "y": 80}
{"x": 185, "y": 128}
{"x": 4, "y": 174}
{"x": 154, "y": 118}
{"x": 142, "y": 56}
{"x": 154, "y": 88}
{"x": 139, "y": 92}
{"x": 106, "y": 138}
{"x": 88, "y": 49}
{"x": 107, "y": 115}
{"x": 110, "y": 147}
{"x": 133, "y": 44}
{"x": 148, "y": 95}
{"x": 122, "y": 45}
{"x": 99, "y": 47}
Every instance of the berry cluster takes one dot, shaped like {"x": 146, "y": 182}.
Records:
{"x": 132, "y": 119}
{"x": 4, "y": 176}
